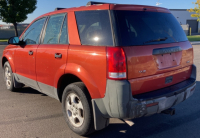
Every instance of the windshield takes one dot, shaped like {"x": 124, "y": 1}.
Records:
{"x": 147, "y": 28}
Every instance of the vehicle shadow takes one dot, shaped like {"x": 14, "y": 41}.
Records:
{"x": 160, "y": 125}
{"x": 28, "y": 90}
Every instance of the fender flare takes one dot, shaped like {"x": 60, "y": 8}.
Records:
{"x": 10, "y": 59}
{"x": 85, "y": 77}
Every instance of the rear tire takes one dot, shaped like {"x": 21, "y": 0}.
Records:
{"x": 77, "y": 109}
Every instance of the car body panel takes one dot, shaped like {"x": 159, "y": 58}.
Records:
{"x": 88, "y": 63}
{"x": 140, "y": 58}
{"x": 8, "y": 53}
{"x": 49, "y": 68}
{"x": 147, "y": 72}
{"x": 73, "y": 30}
{"x": 25, "y": 63}
{"x": 155, "y": 82}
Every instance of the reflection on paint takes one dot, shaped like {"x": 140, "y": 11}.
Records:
{"x": 94, "y": 54}
{"x": 96, "y": 38}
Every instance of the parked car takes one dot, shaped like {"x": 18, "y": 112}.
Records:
{"x": 104, "y": 61}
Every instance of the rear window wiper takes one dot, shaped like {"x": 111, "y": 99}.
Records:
{"x": 156, "y": 40}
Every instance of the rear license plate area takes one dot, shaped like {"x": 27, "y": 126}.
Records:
{"x": 168, "y": 60}
{"x": 167, "y": 57}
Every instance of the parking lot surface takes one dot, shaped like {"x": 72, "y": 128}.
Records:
{"x": 31, "y": 114}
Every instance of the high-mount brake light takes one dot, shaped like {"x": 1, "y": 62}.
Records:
{"x": 116, "y": 63}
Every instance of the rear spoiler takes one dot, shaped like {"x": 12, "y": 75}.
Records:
{"x": 56, "y": 9}
{"x": 95, "y": 2}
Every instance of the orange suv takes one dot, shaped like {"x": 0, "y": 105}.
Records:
{"x": 104, "y": 61}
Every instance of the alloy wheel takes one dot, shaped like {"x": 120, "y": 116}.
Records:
{"x": 74, "y": 109}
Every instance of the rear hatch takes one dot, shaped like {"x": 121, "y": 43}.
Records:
{"x": 157, "y": 50}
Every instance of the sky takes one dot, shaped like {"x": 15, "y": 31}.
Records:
{"x": 45, "y": 6}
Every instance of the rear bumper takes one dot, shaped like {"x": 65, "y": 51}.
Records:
{"x": 119, "y": 102}
{"x": 157, "y": 103}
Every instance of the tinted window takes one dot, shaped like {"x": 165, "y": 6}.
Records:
{"x": 147, "y": 28}
{"x": 64, "y": 33}
{"x": 32, "y": 34}
{"x": 94, "y": 27}
{"x": 53, "y": 29}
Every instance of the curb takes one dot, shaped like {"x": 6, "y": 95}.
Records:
{"x": 195, "y": 43}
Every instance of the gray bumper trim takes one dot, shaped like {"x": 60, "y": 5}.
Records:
{"x": 119, "y": 102}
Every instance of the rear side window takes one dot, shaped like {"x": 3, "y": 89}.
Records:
{"x": 94, "y": 28}
{"x": 64, "y": 33}
{"x": 32, "y": 34}
{"x": 53, "y": 29}
{"x": 147, "y": 28}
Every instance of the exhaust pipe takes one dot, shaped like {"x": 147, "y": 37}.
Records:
{"x": 170, "y": 111}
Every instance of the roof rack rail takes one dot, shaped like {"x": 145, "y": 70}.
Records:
{"x": 95, "y": 2}
{"x": 56, "y": 9}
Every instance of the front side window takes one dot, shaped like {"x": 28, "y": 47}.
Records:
{"x": 32, "y": 34}
{"x": 53, "y": 29}
{"x": 94, "y": 28}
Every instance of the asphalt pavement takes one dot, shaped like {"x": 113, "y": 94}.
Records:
{"x": 31, "y": 114}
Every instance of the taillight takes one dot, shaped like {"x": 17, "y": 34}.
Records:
{"x": 116, "y": 63}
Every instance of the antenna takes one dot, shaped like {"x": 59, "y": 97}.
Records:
{"x": 158, "y": 3}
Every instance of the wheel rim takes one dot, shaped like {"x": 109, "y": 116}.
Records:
{"x": 74, "y": 108}
{"x": 8, "y": 77}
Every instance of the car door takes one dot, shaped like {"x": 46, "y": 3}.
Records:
{"x": 25, "y": 55}
{"x": 51, "y": 55}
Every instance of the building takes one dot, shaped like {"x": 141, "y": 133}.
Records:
{"x": 7, "y": 31}
{"x": 185, "y": 19}
{"x": 9, "y": 26}
{"x": 4, "y": 26}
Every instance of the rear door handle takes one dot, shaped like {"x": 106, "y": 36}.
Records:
{"x": 30, "y": 52}
{"x": 58, "y": 55}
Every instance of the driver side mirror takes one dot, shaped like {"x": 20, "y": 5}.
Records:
{"x": 14, "y": 41}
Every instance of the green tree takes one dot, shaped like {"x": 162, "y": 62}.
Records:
{"x": 196, "y": 10}
{"x": 16, "y": 11}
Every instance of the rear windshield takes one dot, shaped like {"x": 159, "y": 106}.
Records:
{"x": 147, "y": 28}
{"x": 94, "y": 28}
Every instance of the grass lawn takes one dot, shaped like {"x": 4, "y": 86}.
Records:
{"x": 194, "y": 38}
{"x": 3, "y": 40}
